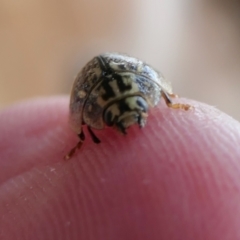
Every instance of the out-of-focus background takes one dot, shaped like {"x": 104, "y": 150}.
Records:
{"x": 195, "y": 44}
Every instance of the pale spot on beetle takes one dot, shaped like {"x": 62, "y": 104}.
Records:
{"x": 132, "y": 102}
{"x": 82, "y": 94}
{"x": 115, "y": 111}
{"x": 140, "y": 68}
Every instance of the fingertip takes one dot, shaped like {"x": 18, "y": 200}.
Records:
{"x": 32, "y": 134}
{"x": 171, "y": 179}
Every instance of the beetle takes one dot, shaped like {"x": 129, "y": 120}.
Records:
{"x": 116, "y": 90}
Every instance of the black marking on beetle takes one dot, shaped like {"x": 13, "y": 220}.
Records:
{"x": 123, "y": 106}
{"x": 109, "y": 93}
{"x": 132, "y": 67}
{"x": 121, "y": 66}
{"x": 121, "y": 85}
{"x": 108, "y": 118}
{"x": 139, "y": 120}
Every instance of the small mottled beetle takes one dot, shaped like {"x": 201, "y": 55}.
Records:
{"x": 116, "y": 90}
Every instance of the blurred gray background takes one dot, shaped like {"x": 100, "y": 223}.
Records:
{"x": 194, "y": 43}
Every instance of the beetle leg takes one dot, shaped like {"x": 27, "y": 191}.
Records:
{"x": 121, "y": 128}
{"x": 93, "y": 136}
{"x": 172, "y": 95}
{"x": 142, "y": 118}
{"x": 78, "y": 146}
{"x": 170, "y": 104}
{"x": 139, "y": 120}
{"x": 73, "y": 150}
{"x": 81, "y": 136}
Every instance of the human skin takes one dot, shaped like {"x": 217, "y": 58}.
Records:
{"x": 177, "y": 178}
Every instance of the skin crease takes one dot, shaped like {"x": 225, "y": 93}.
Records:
{"x": 177, "y": 178}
